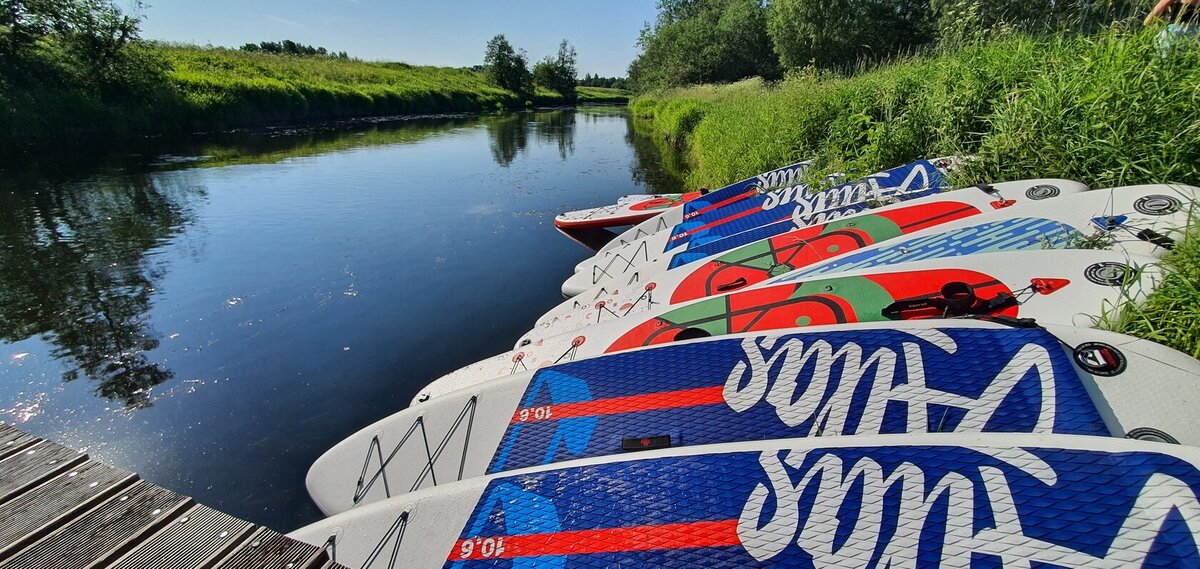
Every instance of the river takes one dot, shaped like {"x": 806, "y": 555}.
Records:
{"x": 215, "y": 314}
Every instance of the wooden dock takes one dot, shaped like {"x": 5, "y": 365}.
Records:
{"x": 58, "y": 508}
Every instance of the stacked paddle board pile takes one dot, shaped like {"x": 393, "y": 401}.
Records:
{"x": 887, "y": 373}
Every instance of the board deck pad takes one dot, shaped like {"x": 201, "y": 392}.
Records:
{"x": 796, "y": 203}
{"x": 916, "y": 377}
{"x": 934, "y": 500}
{"x": 1073, "y": 287}
{"x": 630, "y": 210}
{"x": 1108, "y": 219}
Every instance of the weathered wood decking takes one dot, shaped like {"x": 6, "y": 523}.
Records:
{"x": 58, "y": 508}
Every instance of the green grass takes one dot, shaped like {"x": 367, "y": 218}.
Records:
{"x": 593, "y": 95}
{"x": 1171, "y": 315}
{"x": 235, "y": 87}
{"x": 216, "y": 88}
{"x": 1106, "y": 110}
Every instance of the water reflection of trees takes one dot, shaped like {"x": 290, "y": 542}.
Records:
{"x": 508, "y": 135}
{"x": 557, "y": 128}
{"x": 74, "y": 268}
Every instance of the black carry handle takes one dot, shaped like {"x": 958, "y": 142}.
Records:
{"x": 739, "y": 283}
{"x": 632, "y": 444}
{"x": 958, "y": 299}
{"x": 1156, "y": 238}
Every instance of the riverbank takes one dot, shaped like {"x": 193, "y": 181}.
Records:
{"x": 181, "y": 89}
{"x": 1108, "y": 110}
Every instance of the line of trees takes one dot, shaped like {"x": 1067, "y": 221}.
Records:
{"x": 289, "y": 47}
{"x": 716, "y": 41}
{"x": 590, "y": 80}
{"x": 508, "y": 68}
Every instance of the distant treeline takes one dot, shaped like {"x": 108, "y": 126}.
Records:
{"x": 720, "y": 41}
{"x": 289, "y": 47}
{"x": 590, "y": 80}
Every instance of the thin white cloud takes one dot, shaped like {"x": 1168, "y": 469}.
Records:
{"x": 283, "y": 20}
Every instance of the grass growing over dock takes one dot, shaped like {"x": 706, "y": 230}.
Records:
{"x": 1107, "y": 110}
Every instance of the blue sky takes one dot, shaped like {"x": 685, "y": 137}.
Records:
{"x": 452, "y": 33}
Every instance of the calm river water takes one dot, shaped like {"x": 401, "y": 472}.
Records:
{"x": 214, "y": 316}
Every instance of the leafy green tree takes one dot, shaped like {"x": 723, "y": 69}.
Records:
{"x": 558, "y": 73}
{"x": 507, "y": 68}
{"x": 838, "y": 33}
{"x": 94, "y": 32}
{"x": 704, "y": 41}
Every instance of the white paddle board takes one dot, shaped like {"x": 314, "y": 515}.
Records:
{"x": 858, "y": 379}
{"x": 937, "y": 500}
{"x": 1073, "y": 287}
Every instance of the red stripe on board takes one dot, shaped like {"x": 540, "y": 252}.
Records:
{"x": 727, "y": 219}
{"x": 725, "y": 202}
{"x": 609, "y": 540}
{"x": 615, "y": 405}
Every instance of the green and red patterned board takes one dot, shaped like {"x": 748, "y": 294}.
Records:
{"x": 963, "y": 222}
{"x": 1072, "y": 287}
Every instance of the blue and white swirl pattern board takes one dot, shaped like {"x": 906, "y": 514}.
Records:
{"x": 931, "y": 500}
{"x": 906, "y": 377}
{"x": 1113, "y": 218}
{"x": 911, "y": 181}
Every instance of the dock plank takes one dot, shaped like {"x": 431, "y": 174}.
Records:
{"x": 40, "y": 511}
{"x": 33, "y": 466}
{"x": 200, "y": 534}
{"x": 268, "y": 549}
{"x": 60, "y": 509}
{"x": 140, "y": 508}
{"x": 15, "y": 444}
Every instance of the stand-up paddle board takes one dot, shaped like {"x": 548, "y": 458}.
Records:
{"x": 793, "y": 205}
{"x": 1072, "y": 287}
{"x": 750, "y": 187}
{"x": 1134, "y": 219}
{"x": 931, "y": 500}
{"x": 635, "y": 209}
{"x": 909, "y": 377}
